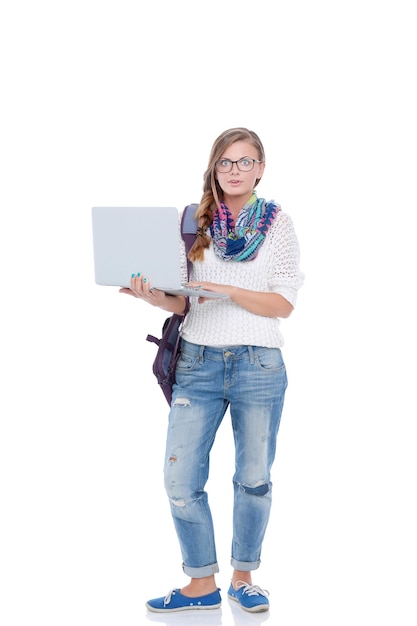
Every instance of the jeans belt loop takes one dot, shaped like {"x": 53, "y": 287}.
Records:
{"x": 251, "y": 355}
{"x": 201, "y": 354}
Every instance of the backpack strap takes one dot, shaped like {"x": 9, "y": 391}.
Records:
{"x": 189, "y": 230}
{"x": 189, "y": 233}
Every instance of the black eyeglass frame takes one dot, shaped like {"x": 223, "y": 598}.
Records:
{"x": 237, "y": 164}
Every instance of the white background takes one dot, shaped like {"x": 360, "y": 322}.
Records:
{"x": 118, "y": 103}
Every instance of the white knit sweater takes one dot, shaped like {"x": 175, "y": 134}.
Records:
{"x": 221, "y": 322}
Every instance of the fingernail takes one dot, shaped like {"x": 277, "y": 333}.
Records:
{"x": 138, "y": 274}
{"x": 145, "y": 280}
{"x": 133, "y": 275}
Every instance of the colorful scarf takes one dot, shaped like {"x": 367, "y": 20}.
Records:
{"x": 241, "y": 241}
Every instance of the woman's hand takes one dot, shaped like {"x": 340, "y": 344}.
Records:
{"x": 267, "y": 304}
{"x": 226, "y": 289}
{"x": 140, "y": 287}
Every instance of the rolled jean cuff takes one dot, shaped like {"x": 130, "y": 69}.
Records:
{"x": 244, "y": 566}
{"x": 200, "y": 572}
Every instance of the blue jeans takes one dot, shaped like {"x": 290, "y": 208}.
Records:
{"x": 252, "y": 382}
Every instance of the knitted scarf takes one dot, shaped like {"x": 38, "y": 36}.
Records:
{"x": 241, "y": 241}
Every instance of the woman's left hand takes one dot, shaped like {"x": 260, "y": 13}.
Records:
{"x": 267, "y": 304}
{"x": 226, "y": 289}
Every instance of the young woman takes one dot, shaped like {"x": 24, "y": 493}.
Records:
{"x": 231, "y": 358}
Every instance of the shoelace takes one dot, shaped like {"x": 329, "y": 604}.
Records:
{"x": 251, "y": 590}
{"x": 167, "y": 598}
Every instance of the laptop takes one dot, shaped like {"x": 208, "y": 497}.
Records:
{"x": 128, "y": 240}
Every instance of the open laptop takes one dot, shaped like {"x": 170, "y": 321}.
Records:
{"x": 128, "y": 240}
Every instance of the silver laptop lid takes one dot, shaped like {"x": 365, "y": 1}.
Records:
{"x": 128, "y": 240}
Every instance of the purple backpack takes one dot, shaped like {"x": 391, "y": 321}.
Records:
{"x": 169, "y": 344}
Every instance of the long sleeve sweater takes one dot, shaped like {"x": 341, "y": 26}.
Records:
{"x": 221, "y": 322}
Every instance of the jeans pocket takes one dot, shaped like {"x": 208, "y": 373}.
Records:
{"x": 186, "y": 363}
{"x": 269, "y": 359}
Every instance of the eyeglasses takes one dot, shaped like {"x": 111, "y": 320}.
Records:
{"x": 245, "y": 164}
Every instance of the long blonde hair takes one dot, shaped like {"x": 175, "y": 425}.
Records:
{"x": 212, "y": 192}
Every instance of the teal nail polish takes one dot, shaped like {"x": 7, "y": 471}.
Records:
{"x": 133, "y": 276}
{"x": 138, "y": 274}
{"x": 145, "y": 280}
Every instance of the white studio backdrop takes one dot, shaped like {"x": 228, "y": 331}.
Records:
{"x": 119, "y": 103}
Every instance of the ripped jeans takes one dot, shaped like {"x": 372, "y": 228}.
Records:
{"x": 251, "y": 381}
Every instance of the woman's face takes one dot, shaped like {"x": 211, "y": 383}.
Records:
{"x": 240, "y": 180}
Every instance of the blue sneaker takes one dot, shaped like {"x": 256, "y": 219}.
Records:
{"x": 250, "y": 597}
{"x": 175, "y": 601}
